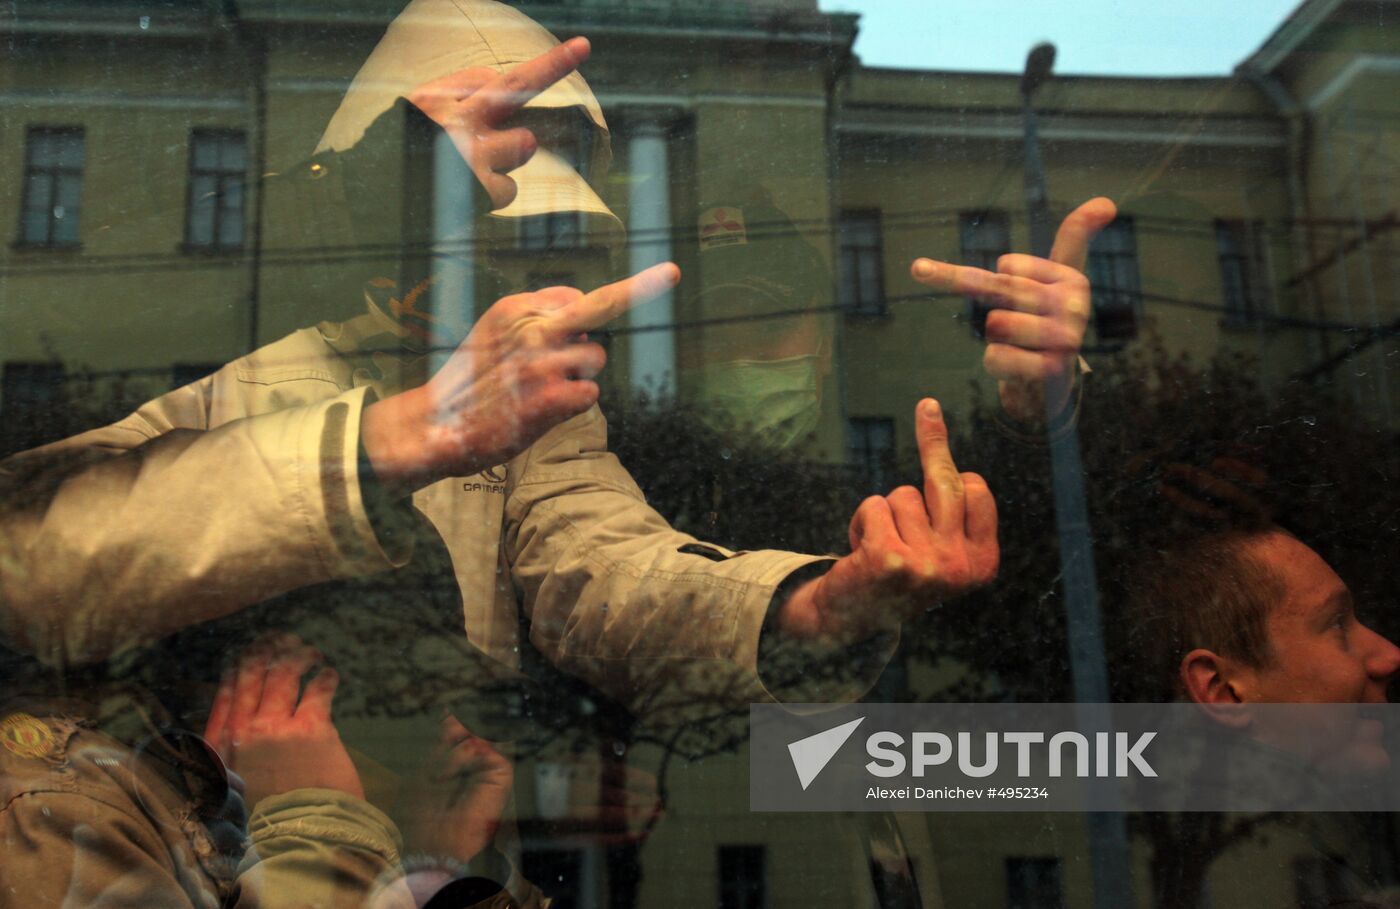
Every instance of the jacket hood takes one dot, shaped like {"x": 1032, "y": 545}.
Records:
{"x": 433, "y": 38}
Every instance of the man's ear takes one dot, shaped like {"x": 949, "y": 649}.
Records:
{"x": 1208, "y": 679}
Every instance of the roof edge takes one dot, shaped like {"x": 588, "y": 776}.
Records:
{"x": 1290, "y": 33}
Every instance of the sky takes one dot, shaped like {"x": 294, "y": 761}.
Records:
{"x": 1093, "y": 37}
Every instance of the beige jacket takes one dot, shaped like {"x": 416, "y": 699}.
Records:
{"x": 86, "y": 821}
{"x": 245, "y": 485}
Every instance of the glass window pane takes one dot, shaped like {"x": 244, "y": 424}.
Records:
{"x": 204, "y": 152}
{"x": 231, "y": 157}
{"x": 41, "y": 148}
{"x": 231, "y": 216}
{"x": 868, "y": 267}
{"x": 65, "y": 225}
{"x": 38, "y": 195}
{"x": 231, "y": 194}
{"x": 34, "y": 228}
{"x": 68, "y": 150}
{"x": 850, "y": 282}
{"x": 70, "y": 192}
{"x": 497, "y": 561}
{"x": 203, "y": 204}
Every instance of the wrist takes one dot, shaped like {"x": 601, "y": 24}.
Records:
{"x": 799, "y": 617}
{"x": 394, "y": 442}
{"x": 1059, "y": 390}
{"x": 1035, "y": 403}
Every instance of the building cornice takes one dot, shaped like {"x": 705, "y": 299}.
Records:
{"x": 1355, "y": 68}
{"x": 700, "y": 21}
{"x": 1292, "y": 32}
{"x": 36, "y": 99}
{"x": 1008, "y": 125}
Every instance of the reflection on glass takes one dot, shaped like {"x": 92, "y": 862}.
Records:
{"x": 261, "y": 209}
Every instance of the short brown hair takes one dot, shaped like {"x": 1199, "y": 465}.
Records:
{"x": 1211, "y": 593}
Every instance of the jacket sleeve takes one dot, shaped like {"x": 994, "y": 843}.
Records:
{"x": 328, "y": 849}
{"x": 123, "y": 534}
{"x": 84, "y": 824}
{"x": 649, "y": 615}
{"x": 66, "y": 849}
{"x": 318, "y": 847}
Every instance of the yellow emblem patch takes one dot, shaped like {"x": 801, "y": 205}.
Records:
{"x": 722, "y": 227}
{"x": 26, "y": 736}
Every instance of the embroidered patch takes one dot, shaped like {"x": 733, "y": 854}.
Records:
{"x": 722, "y": 227}
{"x": 25, "y": 736}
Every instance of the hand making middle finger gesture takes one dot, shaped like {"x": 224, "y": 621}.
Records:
{"x": 525, "y": 367}
{"x": 1041, "y": 309}
{"x": 910, "y": 550}
{"x": 472, "y": 104}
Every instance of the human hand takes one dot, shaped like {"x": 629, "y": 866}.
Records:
{"x": 471, "y": 104}
{"x": 456, "y": 804}
{"x": 525, "y": 367}
{"x": 270, "y": 740}
{"x": 1041, "y": 310}
{"x": 909, "y": 550}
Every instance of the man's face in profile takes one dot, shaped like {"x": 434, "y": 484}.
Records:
{"x": 1318, "y": 651}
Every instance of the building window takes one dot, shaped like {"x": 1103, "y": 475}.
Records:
{"x": 557, "y": 229}
{"x": 1239, "y": 246}
{"x": 1113, "y": 272}
{"x": 31, "y": 404}
{"x": 53, "y": 186}
{"x": 742, "y": 874}
{"x": 215, "y": 199}
{"x": 862, "y": 263}
{"x": 870, "y": 451}
{"x": 986, "y": 237}
{"x": 1034, "y": 883}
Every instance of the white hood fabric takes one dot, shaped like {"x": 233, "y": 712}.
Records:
{"x": 432, "y": 38}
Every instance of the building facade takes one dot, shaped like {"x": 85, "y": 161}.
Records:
{"x": 145, "y": 152}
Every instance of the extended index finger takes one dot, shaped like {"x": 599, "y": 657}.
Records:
{"x": 1004, "y": 290}
{"x": 509, "y": 92}
{"x": 596, "y": 309}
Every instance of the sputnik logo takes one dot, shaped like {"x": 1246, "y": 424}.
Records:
{"x": 811, "y": 755}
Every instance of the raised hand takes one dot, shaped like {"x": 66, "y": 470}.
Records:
{"x": 525, "y": 368}
{"x": 471, "y": 104}
{"x": 910, "y": 550}
{"x": 1041, "y": 310}
{"x": 274, "y": 740}
{"x": 456, "y": 804}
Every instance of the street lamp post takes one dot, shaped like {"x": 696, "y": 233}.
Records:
{"x": 1108, "y": 834}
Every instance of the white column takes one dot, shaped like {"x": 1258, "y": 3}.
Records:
{"x": 653, "y": 360}
{"x": 454, "y": 241}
